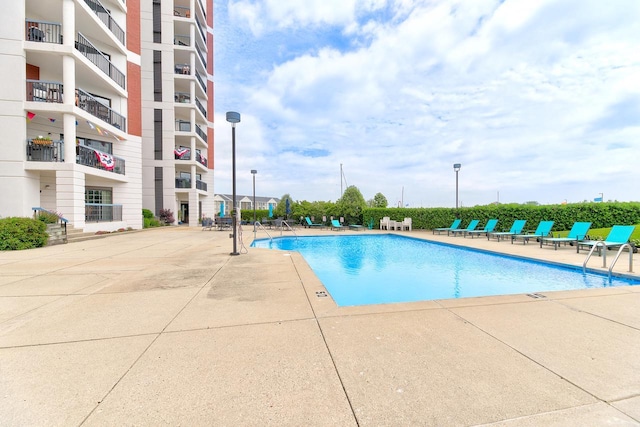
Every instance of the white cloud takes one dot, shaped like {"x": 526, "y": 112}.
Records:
{"x": 516, "y": 91}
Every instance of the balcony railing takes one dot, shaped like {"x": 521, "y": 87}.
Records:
{"x": 183, "y": 126}
{"x": 94, "y": 55}
{"x": 183, "y": 183}
{"x": 184, "y": 153}
{"x": 199, "y": 25}
{"x": 43, "y": 91}
{"x": 96, "y": 159}
{"x": 183, "y": 69}
{"x": 181, "y": 40}
{"x": 102, "y": 212}
{"x": 104, "y": 15}
{"x": 182, "y": 97}
{"x": 201, "y": 55}
{"x": 42, "y": 31}
{"x": 183, "y": 12}
{"x": 45, "y": 150}
{"x": 94, "y": 107}
{"x": 201, "y": 133}
{"x": 204, "y": 11}
{"x": 201, "y": 107}
{"x": 204, "y": 86}
{"x": 186, "y": 183}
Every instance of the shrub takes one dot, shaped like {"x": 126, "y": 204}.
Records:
{"x": 166, "y": 216}
{"x": 47, "y": 217}
{"x": 22, "y": 233}
{"x": 146, "y": 213}
{"x": 154, "y": 223}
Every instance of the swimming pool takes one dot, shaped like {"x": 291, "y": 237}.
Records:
{"x": 379, "y": 269}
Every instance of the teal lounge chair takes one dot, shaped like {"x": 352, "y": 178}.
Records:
{"x": 543, "y": 230}
{"x": 472, "y": 226}
{"x": 577, "y": 234}
{"x": 618, "y": 236}
{"x": 454, "y": 226}
{"x": 516, "y": 228}
{"x": 488, "y": 228}
{"x": 310, "y": 224}
{"x": 335, "y": 225}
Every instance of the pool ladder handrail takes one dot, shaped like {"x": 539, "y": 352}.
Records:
{"x": 289, "y": 227}
{"x": 604, "y": 257}
{"x": 257, "y": 224}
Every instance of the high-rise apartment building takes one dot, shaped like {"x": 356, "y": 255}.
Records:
{"x": 177, "y": 107}
{"x": 105, "y": 109}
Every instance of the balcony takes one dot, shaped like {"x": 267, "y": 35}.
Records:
{"x": 183, "y": 69}
{"x": 181, "y": 40}
{"x": 201, "y": 133}
{"x": 44, "y": 91}
{"x": 39, "y": 150}
{"x": 103, "y": 14}
{"x": 102, "y": 212}
{"x": 202, "y": 84}
{"x": 186, "y": 183}
{"x": 199, "y": 25}
{"x": 184, "y": 153}
{"x": 84, "y": 46}
{"x": 182, "y": 12}
{"x": 183, "y": 126}
{"x": 43, "y": 32}
{"x": 94, "y": 107}
{"x": 182, "y": 98}
{"x": 201, "y": 55}
{"x": 96, "y": 159}
{"x": 201, "y": 107}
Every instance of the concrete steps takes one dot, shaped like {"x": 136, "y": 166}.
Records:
{"x": 57, "y": 237}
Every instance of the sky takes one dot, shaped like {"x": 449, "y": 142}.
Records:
{"x": 537, "y": 100}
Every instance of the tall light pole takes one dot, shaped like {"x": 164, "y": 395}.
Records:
{"x": 254, "y": 172}
{"x": 233, "y": 118}
{"x": 456, "y": 168}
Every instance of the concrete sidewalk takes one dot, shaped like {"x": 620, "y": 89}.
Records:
{"x": 164, "y": 327}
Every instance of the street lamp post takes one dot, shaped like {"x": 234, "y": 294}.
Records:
{"x": 456, "y": 168}
{"x": 233, "y": 118}
{"x": 254, "y": 172}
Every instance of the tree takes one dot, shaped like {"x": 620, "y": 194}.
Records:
{"x": 379, "y": 201}
{"x": 281, "y": 207}
{"x": 351, "y": 205}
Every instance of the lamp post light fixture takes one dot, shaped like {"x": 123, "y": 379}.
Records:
{"x": 456, "y": 168}
{"x": 254, "y": 172}
{"x": 233, "y": 118}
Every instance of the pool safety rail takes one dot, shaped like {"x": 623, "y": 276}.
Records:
{"x": 604, "y": 256}
{"x": 257, "y": 225}
{"x": 282, "y": 226}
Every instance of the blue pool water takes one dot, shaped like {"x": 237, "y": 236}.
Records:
{"x": 361, "y": 270}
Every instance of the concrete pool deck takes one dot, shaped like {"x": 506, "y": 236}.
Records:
{"x": 165, "y": 327}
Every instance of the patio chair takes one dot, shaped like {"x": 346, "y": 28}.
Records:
{"x": 406, "y": 224}
{"x": 618, "y": 236}
{"x": 385, "y": 223}
{"x": 335, "y": 225}
{"x": 488, "y": 228}
{"x": 454, "y": 226}
{"x": 472, "y": 226}
{"x": 577, "y": 234}
{"x": 516, "y": 228}
{"x": 311, "y": 224}
{"x": 543, "y": 230}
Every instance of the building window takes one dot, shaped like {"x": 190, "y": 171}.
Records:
{"x": 157, "y": 75}
{"x": 157, "y": 133}
{"x": 157, "y": 22}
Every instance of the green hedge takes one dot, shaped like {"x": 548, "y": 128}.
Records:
{"x": 22, "y": 233}
{"x": 601, "y": 215}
